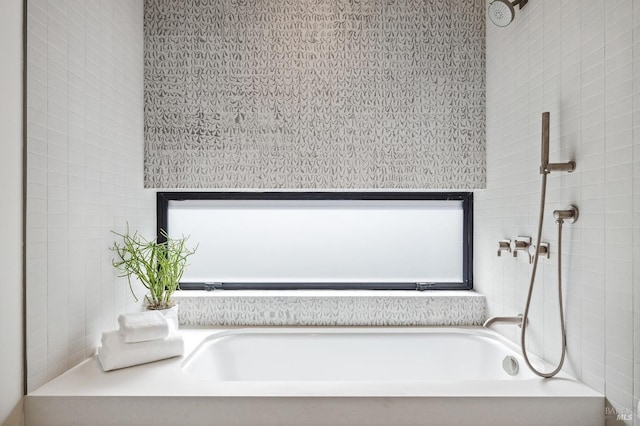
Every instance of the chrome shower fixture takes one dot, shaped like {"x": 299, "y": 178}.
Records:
{"x": 504, "y": 245}
{"x": 569, "y": 215}
{"x": 520, "y": 244}
{"x": 543, "y": 251}
{"x": 545, "y": 166}
{"x": 502, "y": 12}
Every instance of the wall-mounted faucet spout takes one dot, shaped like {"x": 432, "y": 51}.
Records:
{"x": 507, "y": 320}
{"x": 545, "y": 166}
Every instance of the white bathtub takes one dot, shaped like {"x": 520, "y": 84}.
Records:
{"x": 353, "y": 355}
{"x": 321, "y": 376}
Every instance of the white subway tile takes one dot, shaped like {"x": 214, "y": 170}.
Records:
{"x": 588, "y": 87}
{"x": 73, "y": 131}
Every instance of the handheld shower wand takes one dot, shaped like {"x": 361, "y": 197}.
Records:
{"x": 545, "y": 166}
{"x": 570, "y": 215}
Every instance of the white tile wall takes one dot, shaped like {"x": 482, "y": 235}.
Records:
{"x": 84, "y": 172}
{"x": 11, "y": 212}
{"x": 636, "y": 205}
{"x": 580, "y": 60}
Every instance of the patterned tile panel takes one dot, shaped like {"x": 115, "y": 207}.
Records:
{"x": 232, "y": 310}
{"x": 314, "y": 94}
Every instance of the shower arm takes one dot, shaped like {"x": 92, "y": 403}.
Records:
{"x": 545, "y": 166}
{"x": 520, "y": 3}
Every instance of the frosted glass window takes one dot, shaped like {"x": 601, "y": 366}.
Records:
{"x": 322, "y": 242}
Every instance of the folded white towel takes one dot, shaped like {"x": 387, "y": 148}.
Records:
{"x": 115, "y": 353}
{"x": 143, "y": 326}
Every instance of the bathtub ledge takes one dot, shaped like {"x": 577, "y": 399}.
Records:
{"x": 160, "y": 393}
{"x": 330, "y": 308}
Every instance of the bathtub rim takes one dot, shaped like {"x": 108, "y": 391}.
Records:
{"x": 166, "y": 378}
{"x": 490, "y": 334}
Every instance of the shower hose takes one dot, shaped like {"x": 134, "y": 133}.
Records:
{"x": 523, "y": 334}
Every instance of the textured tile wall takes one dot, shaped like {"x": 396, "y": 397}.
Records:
{"x": 578, "y": 60}
{"x": 348, "y": 308}
{"x": 84, "y": 172}
{"x": 314, "y": 94}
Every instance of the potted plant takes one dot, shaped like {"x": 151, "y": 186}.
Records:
{"x": 157, "y": 265}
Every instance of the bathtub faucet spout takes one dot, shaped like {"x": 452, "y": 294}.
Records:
{"x": 508, "y": 320}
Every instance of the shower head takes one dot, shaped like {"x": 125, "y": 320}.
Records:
{"x": 502, "y": 12}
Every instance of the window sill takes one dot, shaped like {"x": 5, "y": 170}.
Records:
{"x": 330, "y": 308}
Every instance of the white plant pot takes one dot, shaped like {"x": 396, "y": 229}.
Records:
{"x": 171, "y": 314}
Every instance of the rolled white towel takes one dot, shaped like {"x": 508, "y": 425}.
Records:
{"x": 143, "y": 326}
{"x": 115, "y": 353}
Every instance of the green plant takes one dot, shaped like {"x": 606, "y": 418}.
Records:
{"x": 157, "y": 265}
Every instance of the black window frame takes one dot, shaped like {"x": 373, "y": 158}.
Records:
{"x": 164, "y": 197}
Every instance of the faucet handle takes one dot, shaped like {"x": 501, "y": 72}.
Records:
{"x": 504, "y": 245}
{"x": 520, "y": 244}
{"x": 544, "y": 251}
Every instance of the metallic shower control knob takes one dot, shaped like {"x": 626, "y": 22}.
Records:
{"x": 504, "y": 245}
{"x": 520, "y": 244}
{"x": 544, "y": 250}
